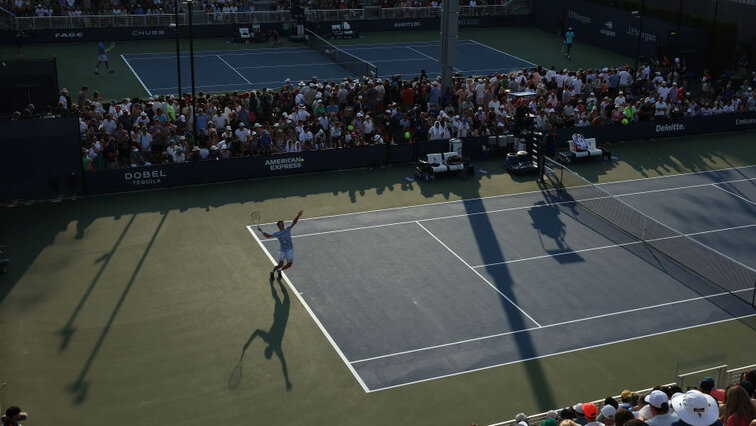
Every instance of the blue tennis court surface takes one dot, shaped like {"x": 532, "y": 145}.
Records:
{"x": 228, "y": 70}
{"x": 417, "y": 293}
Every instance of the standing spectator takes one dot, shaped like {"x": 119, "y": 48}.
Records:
{"x": 660, "y": 109}
{"x": 145, "y": 142}
{"x": 220, "y": 120}
{"x": 82, "y": 95}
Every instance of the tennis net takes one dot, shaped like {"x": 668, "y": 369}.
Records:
{"x": 706, "y": 262}
{"x": 353, "y": 64}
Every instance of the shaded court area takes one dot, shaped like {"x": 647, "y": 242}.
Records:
{"x": 229, "y": 70}
{"x": 412, "y": 294}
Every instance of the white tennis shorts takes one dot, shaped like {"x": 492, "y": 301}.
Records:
{"x": 102, "y": 58}
{"x": 286, "y": 255}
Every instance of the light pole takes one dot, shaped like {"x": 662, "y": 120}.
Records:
{"x": 175, "y": 26}
{"x": 639, "y": 15}
{"x": 190, "y": 3}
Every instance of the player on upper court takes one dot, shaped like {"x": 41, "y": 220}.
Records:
{"x": 569, "y": 37}
{"x": 102, "y": 56}
{"x": 286, "y": 252}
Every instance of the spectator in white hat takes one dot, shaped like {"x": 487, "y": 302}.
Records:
{"x": 658, "y": 403}
{"x": 696, "y": 409}
{"x": 242, "y": 133}
{"x": 580, "y": 415}
{"x": 521, "y": 419}
{"x": 607, "y": 415}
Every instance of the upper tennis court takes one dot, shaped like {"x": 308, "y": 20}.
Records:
{"x": 229, "y": 70}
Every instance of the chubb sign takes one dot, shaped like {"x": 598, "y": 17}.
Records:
{"x": 148, "y": 177}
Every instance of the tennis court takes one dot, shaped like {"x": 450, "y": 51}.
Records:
{"x": 416, "y": 293}
{"x": 228, "y": 70}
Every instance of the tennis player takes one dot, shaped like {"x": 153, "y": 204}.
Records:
{"x": 102, "y": 56}
{"x": 569, "y": 37}
{"x": 286, "y": 252}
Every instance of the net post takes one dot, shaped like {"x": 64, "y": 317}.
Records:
{"x": 753, "y": 295}
{"x": 643, "y": 233}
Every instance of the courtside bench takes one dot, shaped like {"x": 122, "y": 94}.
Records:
{"x": 592, "y": 151}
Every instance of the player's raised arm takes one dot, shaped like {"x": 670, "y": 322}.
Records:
{"x": 296, "y": 219}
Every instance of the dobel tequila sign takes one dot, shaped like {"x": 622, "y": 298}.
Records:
{"x": 148, "y": 177}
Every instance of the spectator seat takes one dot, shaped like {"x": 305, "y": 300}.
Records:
{"x": 244, "y": 35}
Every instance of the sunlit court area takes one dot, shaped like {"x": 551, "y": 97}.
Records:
{"x": 379, "y": 212}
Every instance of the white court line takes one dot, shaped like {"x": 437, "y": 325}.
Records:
{"x": 517, "y": 194}
{"x": 137, "y": 76}
{"x": 427, "y": 56}
{"x": 544, "y": 256}
{"x": 486, "y": 212}
{"x": 479, "y": 275}
{"x": 629, "y": 339}
{"x": 734, "y": 194}
{"x": 556, "y": 324}
{"x": 421, "y": 53}
{"x": 233, "y": 69}
{"x": 503, "y": 53}
{"x": 312, "y": 314}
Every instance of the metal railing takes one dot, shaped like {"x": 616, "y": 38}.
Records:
{"x": 257, "y": 17}
{"x": 94, "y": 21}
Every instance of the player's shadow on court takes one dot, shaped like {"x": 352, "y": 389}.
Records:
{"x": 273, "y": 337}
{"x": 547, "y": 220}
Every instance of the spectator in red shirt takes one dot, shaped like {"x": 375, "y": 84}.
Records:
{"x": 707, "y": 387}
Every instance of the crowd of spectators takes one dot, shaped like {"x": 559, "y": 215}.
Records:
{"x": 86, "y": 7}
{"x": 215, "y": 7}
{"x": 663, "y": 406}
{"x": 314, "y": 115}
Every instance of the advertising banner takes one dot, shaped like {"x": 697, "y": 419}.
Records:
{"x": 618, "y": 30}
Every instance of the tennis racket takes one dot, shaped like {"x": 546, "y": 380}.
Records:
{"x": 255, "y": 215}
{"x": 112, "y": 45}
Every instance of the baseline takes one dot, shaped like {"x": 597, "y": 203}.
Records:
{"x": 233, "y": 69}
{"x": 501, "y": 52}
{"x": 137, "y": 76}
